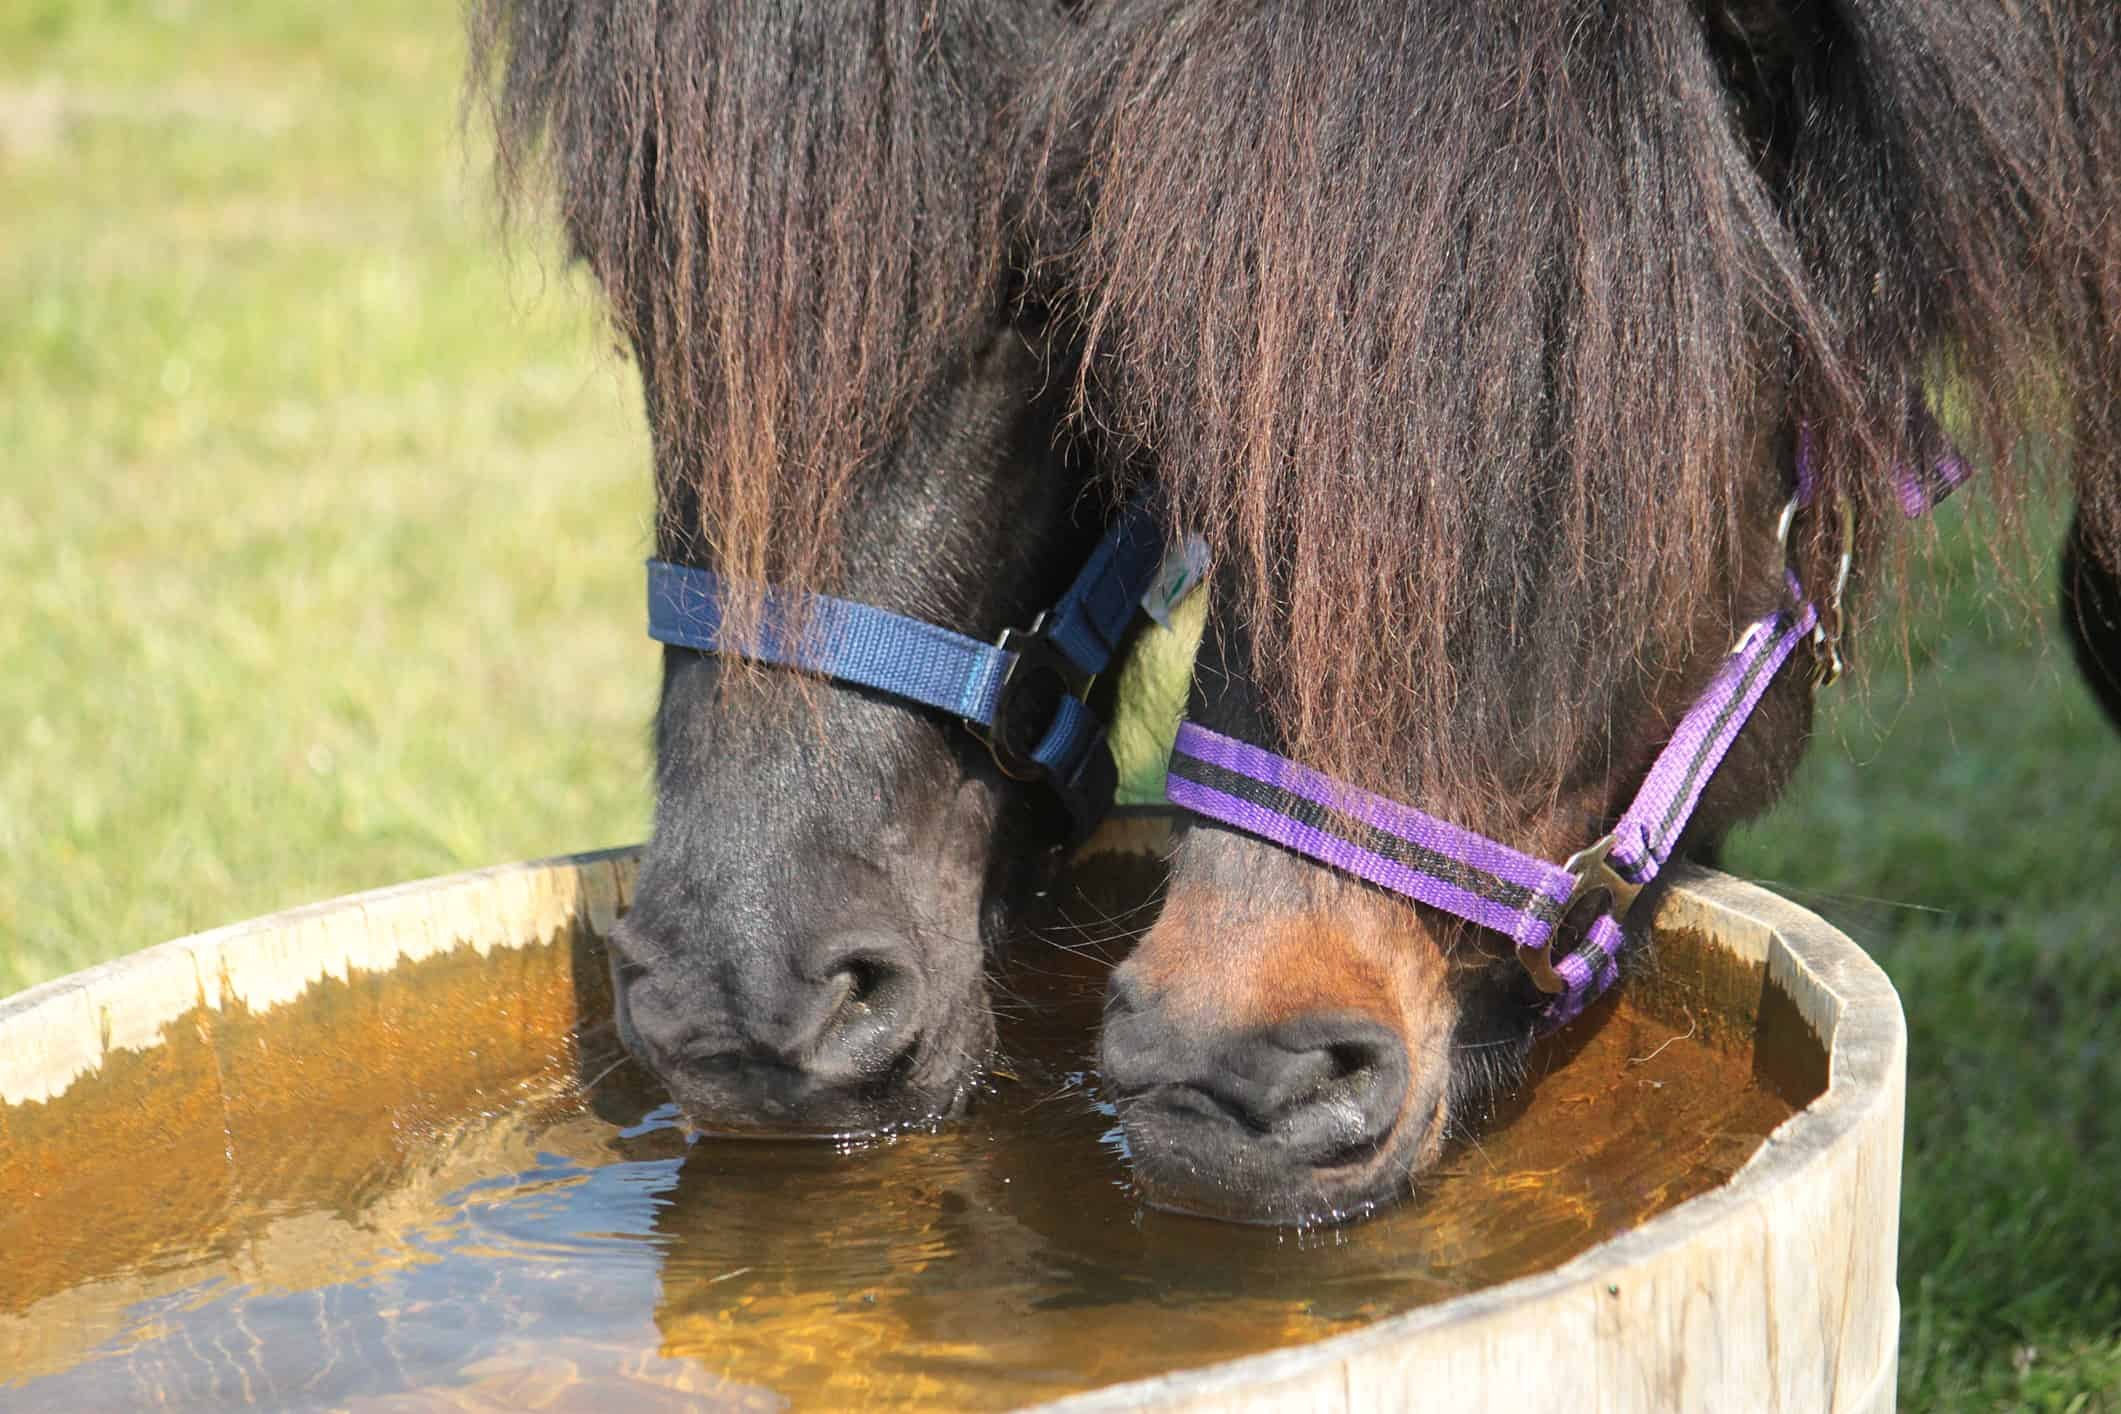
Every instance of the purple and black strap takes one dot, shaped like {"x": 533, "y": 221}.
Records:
{"x": 1489, "y": 884}
{"x": 1468, "y": 875}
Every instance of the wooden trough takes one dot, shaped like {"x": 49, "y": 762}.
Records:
{"x": 1773, "y": 1292}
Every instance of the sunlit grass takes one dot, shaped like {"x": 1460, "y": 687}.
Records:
{"x": 320, "y": 519}
{"x": 1962, "y": 821}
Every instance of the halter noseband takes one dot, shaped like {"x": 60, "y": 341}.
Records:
{"x": 1481, "y": 880}
{"x": 1486, "y": 882}
{"x": 1023, "y": 695}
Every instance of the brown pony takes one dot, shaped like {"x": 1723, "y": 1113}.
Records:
{"x": 1475, "y": 341}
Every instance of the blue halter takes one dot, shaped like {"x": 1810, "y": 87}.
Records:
{"x": 1023, "y": 695}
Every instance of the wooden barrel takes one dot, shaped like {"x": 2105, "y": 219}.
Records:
{"x": 1773, "y": 1292}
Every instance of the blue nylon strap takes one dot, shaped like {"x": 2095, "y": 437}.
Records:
{"x": 1074, "y": 732}
{"x": 1092, "y": 617}
{"x": 854, "y": 643}
{"x": 936, "y": 667}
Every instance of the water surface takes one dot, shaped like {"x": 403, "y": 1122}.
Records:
{"x": 441, "y": 1187}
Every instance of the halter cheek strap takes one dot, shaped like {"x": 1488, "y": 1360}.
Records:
{"x": 1486, "y": 882}
{"x": 1022, "y": 695}
{"x": 1025, "y": 697}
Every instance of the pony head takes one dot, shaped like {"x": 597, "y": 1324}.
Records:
{"x": 791, "y": 210}
{"x": 1475, "y": 340}
{"x": 1478, "y": 342}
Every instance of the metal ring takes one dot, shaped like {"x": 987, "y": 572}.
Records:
{"x": 1787, "y": 519}
{"x": 1037, "y": 657}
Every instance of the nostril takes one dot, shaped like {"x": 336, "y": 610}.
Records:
{"x": 1348, "y": 1058}
{"x": 1326, "y": 1090}
{"x": 867, "y": 1009}
{"x": 863, "y": 977}
{"x": 866, "y": 975}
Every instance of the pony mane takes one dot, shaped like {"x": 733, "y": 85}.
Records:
{"x": 1459, "y": 330}
{"x": 1953, "y": 177}
{"x": 791, "y": 209}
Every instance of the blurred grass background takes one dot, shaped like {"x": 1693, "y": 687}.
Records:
{"x": 1962, "y": 821}
{"x": 320, "y": 521}
{"x": 320, "y": 529}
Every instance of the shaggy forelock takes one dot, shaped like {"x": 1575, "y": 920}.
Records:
{"x": 1469, "y": 331}
{"x": 793, "y": 208}
{"x": 1448, "y": 321}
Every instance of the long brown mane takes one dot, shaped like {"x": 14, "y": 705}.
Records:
{"x": 1457, "y": 328}
{"x": 793, "y": 210}
{"x": 1452, "y": 325}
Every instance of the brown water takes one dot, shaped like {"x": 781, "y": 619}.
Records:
{"x": 398, "y": 1192}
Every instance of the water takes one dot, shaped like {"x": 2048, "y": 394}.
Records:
{"x": 399, "y": 1192}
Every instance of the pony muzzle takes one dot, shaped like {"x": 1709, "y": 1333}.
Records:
{"x": 1300, "y": 1122}
{"x": 840, "y": 1045}
{"x": 1291, "y": 1063}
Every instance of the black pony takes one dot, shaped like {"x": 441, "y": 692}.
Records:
{"x": 1475, "y": 340}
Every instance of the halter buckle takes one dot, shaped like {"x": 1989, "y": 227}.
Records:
{"x": 1787, "y": 519}
{"x": 1039, "y": 662}
{"x": 1826, "y": 637}
{"x": 1826, "y": 634}
{"x": 1539, "y": 966}
{"x": 1594, "y": 874}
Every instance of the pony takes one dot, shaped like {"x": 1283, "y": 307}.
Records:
{"x": 2091, "y": 618}
{"x": 1475, "y": 343}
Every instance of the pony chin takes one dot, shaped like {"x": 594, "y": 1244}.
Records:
{"x": 1286, "y": 1053}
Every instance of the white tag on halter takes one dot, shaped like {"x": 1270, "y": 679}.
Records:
{"x": 1184, "y": 567}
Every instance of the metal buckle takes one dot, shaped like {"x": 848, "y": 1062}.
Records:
{"x": 1037, "y": 660}
{"x": 1783, "y": 523}
{"x": 1593, "y": 874}
{"x": 1826, "y": 633}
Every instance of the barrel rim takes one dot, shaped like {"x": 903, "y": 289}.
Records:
{"x": 61, "y": 1029}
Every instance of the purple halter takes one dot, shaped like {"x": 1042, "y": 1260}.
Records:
{"x": 1489, "y": 884}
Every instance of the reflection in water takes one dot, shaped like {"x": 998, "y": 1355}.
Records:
{"x": 562, "y": 1246}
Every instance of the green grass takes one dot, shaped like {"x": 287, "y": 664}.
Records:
{"x": 320, "y": 530}
{"x": 320, "y": 522}
{"x": 1962, "y": 821}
